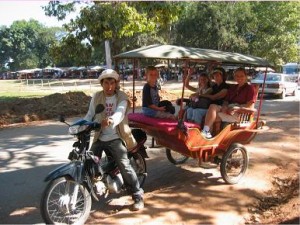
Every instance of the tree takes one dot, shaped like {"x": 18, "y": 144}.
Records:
{"x": 266, "y": 29}
{"x": 245, "y": 27}
{"x": 78, "y": 55}
{"x": 124, "y": 24}
{"x": 214, "y": 25}
{"x": 26, "y": 45}
{"x": 4, "y": 48}
{"x": 276, "y": 32}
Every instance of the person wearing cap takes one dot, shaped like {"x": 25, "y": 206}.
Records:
{"x": 115, "y": 134}
{"x": 219, "y": 86}
{"x": 239, "y": 95}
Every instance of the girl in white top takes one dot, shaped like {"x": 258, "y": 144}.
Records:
{"x": 196, "y": 114}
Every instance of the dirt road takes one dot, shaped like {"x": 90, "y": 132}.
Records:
{"x": 183, "y": 194}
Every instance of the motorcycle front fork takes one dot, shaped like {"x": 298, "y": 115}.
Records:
{"x": 74, "y": 196}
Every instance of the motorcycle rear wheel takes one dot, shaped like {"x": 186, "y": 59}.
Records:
{"x": 138, "y": 163}
{"x": 56, "y": 206}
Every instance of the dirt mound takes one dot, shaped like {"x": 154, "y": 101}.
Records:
{"x": 25, "y": 110}
{"x": 280, "y": 204}
{"x": 138, "y": 96}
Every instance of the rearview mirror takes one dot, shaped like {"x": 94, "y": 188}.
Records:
{"x": 61, "y": 118}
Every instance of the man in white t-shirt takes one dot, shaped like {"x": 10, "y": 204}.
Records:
{"x": 115, "y": 135}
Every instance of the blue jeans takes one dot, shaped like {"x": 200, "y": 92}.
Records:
{"x": 120, "y": 155}
{"x": 196, "y": 114}
{"x": 157, "y": 114}
{"x": 149, "y": 112}
{"x": 189, "y": 113}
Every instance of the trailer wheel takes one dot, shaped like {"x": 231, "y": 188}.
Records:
{"x": 234, "y": 163}
{"x": 175, "y": 157}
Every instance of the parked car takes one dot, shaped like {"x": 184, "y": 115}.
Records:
{"x": 277, "y": 83}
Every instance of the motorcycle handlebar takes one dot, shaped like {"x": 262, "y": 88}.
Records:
{"x": 96, "y": 125}
{"x": 93, "y": 157}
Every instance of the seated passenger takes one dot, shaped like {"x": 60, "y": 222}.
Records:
{"x": 151, "y": 98}
{"x": 240, "y": 95}
{"x": 219, "y": 90}
{"x": 198, "y": 106}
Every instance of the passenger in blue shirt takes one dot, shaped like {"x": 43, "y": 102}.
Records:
{"x": 151, "y": 98}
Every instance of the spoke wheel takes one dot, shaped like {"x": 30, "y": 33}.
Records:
{"x": 234, "y": 163}
{"x": 56, "y": 206}
{"x": 139, "y": 165}
{"x": 175, "y": 157}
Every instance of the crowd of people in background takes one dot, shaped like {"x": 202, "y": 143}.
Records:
{"x": 165, "y": 74}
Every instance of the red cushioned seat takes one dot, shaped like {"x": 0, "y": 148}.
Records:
{"x": 168, "y": 125}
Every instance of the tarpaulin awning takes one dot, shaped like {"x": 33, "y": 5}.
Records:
{"x": 159, "y": 51}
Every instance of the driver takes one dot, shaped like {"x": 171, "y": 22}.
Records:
{"x": 115, "y": 135}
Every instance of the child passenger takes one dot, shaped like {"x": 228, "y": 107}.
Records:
{"x": 151, "y": 96}
{"x": 196, "y": 114}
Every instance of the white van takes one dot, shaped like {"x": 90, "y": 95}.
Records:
{"x": 293, "y": 69}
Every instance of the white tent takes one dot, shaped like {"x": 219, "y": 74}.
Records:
{"x": 97, "y": 68}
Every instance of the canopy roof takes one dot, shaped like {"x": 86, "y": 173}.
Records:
{"x": 159, "y": 51}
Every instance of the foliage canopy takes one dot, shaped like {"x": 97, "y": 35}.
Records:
{"x": 244, "y": 27}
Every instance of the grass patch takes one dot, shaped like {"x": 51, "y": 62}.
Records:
{"x": 36, "y": 88}
{"x": 14, "y": 89}
{"x": 17, "y": 89}
{"x": 4, "y": 97}
{"x": 178, "y": 92}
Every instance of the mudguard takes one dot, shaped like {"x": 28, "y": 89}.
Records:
{"x": 140, "y": 137}
{"x": 73, "y": 169}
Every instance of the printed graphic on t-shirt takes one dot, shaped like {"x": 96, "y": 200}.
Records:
{"x": 110, "y": 105}
{"x": 154, "y": 96}
{"x": 109, "y": 108}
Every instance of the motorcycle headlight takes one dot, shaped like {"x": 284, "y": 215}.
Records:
{"x": 77, "y": 129}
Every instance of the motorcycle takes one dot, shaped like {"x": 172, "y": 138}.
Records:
{"x": 67, "y": 198}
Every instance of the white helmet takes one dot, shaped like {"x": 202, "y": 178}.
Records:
{"x": 108, "y": 73}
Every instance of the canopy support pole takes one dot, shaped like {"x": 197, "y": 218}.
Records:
{"x": 261, "y": 96}
{"x": 133, "y": 87}
{"x": 185, "y": 71}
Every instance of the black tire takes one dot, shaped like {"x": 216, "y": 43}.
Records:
{"x": 175, "y": 157}
{"x": 234, "y": 163}
{"x": 138, "y": 163}
{"x": 56, "y": 193}
{"x": 283, "y": 94}
{"x": 295, "y": 92}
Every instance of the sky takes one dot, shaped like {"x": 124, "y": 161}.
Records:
{"x": 12, "y": 10}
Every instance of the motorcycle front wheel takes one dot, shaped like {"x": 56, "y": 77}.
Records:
{"x": 59, "y": 206}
